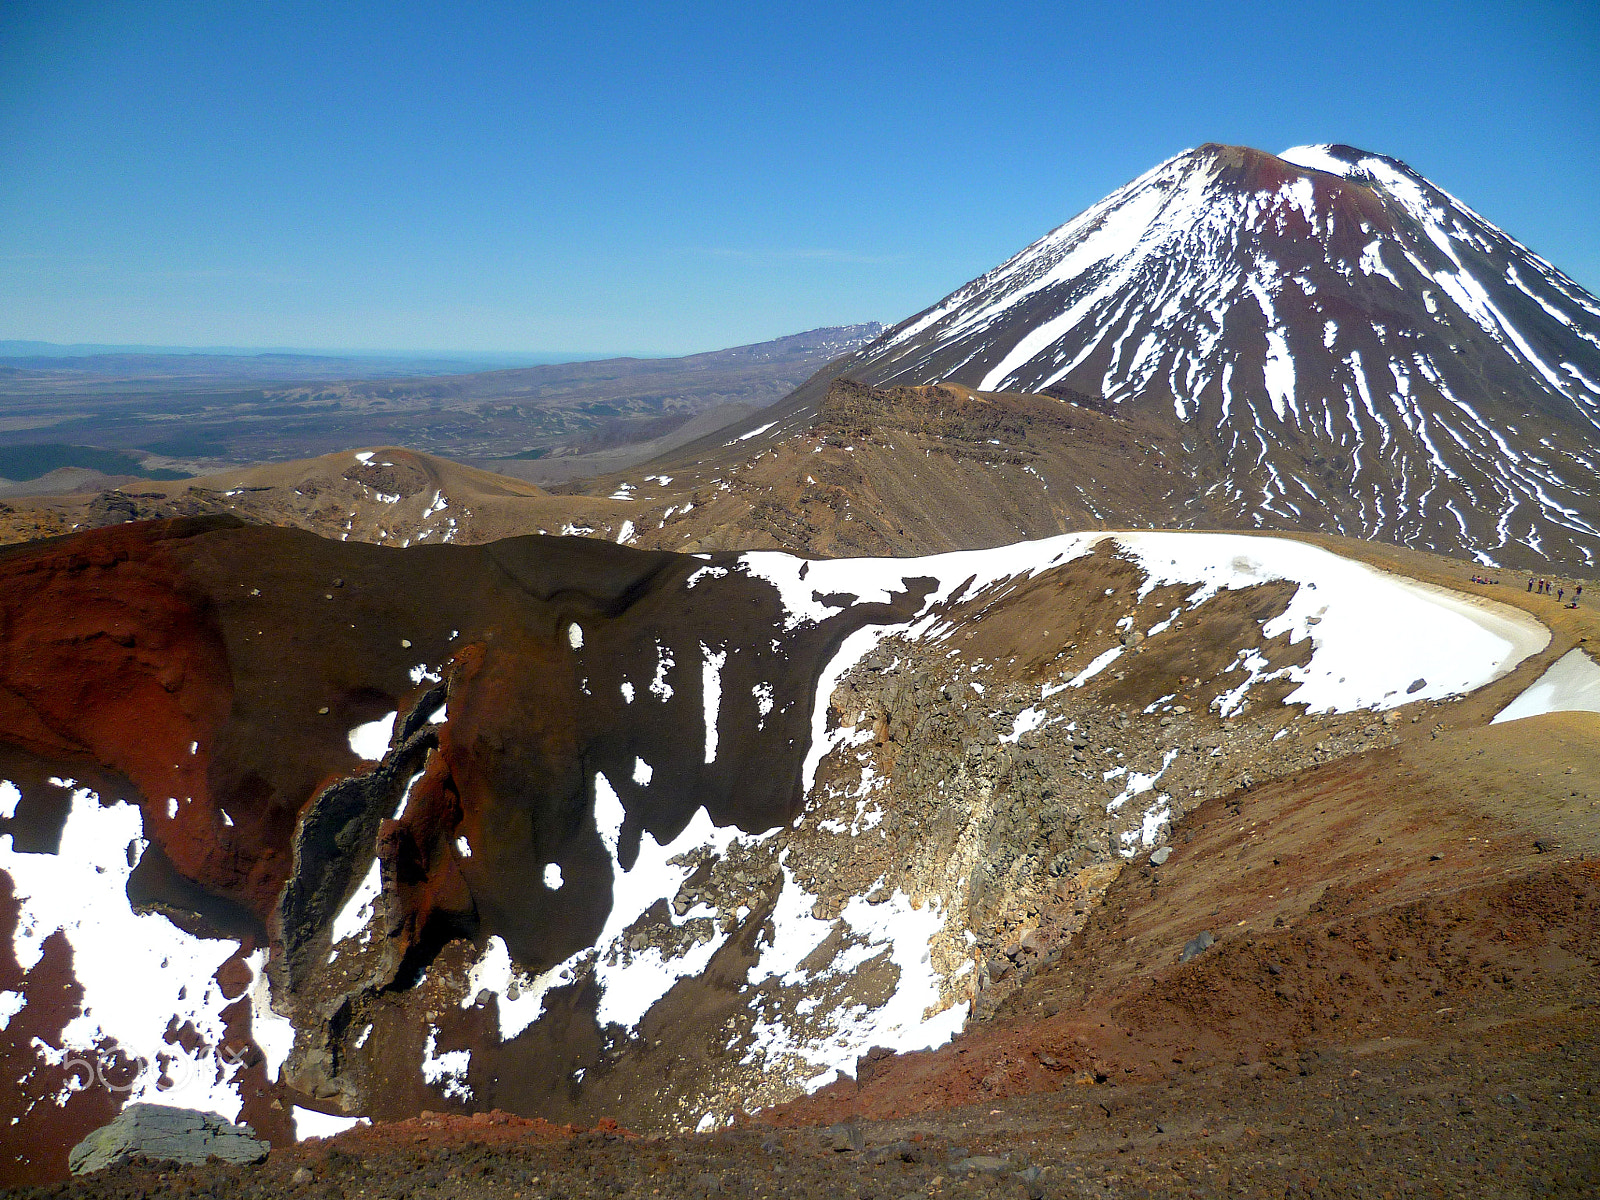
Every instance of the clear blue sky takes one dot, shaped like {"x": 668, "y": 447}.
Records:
{"x": 584, "y": 177}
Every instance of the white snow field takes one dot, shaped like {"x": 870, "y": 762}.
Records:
{"x": 1571, "y": 684}
{"x": 1373, "y": 634}
{"x": 139, "y": 972}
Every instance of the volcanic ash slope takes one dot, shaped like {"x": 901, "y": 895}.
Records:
{"x": 571, "y": 829}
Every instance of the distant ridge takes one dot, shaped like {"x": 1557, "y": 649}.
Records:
{"x": 470, "y": 360}
{"x": 203, "y": 412}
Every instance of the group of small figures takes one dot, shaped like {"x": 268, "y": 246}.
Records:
{"x": 1546, "y": 587}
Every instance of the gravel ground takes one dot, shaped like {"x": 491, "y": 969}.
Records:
{"x": 1409, "y": 1118}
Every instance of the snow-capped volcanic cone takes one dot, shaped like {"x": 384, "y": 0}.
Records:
{"x": 1342, "y": 345}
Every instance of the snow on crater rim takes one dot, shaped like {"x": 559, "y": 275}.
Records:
{"x": 1374, "y": 635}
{"x": 1317, "y": 158}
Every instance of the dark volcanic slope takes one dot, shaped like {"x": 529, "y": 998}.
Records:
{"x": 1337, "y": 343}
{"x": 572, "y": 829}
{"x": 303, "y": 831}
{"x": 276, "y": 707}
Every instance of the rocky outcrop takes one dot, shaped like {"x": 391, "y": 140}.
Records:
{"x": 180, "y": 1135}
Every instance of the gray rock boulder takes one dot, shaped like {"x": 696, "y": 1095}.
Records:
{"x": 183, "y": 1135}
{"x": 1196, "y": 945}
{"x": 981, "y": 1164}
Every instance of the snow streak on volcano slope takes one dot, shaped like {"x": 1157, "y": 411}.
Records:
{"x": 1342, "y": 344}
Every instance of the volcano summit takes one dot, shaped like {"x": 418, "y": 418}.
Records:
{"x": 1336, "y": 342}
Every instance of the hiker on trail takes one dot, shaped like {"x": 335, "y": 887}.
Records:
{"x": 1530, "y": 585}
{"x": 1578, "y": 595}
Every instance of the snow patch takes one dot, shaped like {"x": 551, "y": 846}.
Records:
{"x": 913, "y": 1018}
{"x": 1374, "y": 633}
{"x": 11, "y": 1003}
{"x": 447, "y": 1071}
{"x": 659, "y": 687}
{"x": 1026, "y": 721}
{"x": 139, "y": 972}
{"x": 1571, "y": 684}
{"x": 371, "y": 741}
{"x": 357, "y": 912}
{"x": 309, "y": 1123}
{"x": 711, "y": 693}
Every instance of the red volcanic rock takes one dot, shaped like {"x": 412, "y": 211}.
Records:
{"x": 111, "y": 658}
{"x": 233, "y": 977}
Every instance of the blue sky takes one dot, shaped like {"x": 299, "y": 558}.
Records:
{"x": 587, "y": 178}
